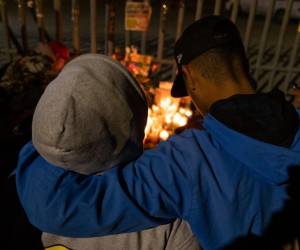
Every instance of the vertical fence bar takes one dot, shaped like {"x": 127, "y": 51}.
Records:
{"x": 58, "y": 20}
{"x": 110, "y": 15}
{"x": 250, "y": 22}
{"x": 293, "y": 56}
{"x": 235, "y": 10}
{"x": 199, "y": 9}
{"x": 143, "y": 42}
{"x": 23, "y": 28}
{"x": 264, "y": 36}
{"x": 144, "y": 36}
{"x": 111, "y": 28}
{"x": 161, "y": 31}
{"x": 93, "y": 20}
{"x": 6, "y": 28}
{"x": 106, "y": 26}
{"x": 283, "y": 27}
{"x": 218, "y": 7}
{"x": 127, "y": 33}
{"x": 75, "y": 26}
{"x": 180, "y": 22}
{"x": 40, "y": 19}
{"x": 127, "y": 38}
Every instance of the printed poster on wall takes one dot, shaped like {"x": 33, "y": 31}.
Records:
{"x": 137, "y": 16}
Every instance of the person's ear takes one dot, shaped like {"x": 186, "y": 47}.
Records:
{"x": 188, "y": 77}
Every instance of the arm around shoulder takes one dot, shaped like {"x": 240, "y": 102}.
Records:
{"x": 153, "y": 190}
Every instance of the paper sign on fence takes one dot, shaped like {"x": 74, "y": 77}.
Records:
{"x": 137, "y": 16}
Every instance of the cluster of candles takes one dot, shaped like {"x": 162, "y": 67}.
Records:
{"x": 163, "y": 118}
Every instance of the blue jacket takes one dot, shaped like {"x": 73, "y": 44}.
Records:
{"x": 224, "y": 183}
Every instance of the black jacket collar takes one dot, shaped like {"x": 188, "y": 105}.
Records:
{"x": 266, "y": 117}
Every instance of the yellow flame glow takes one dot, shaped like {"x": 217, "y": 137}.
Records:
{"x": 164, "y": 118}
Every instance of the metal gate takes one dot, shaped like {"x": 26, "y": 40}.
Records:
{"x": 270, "y": 30}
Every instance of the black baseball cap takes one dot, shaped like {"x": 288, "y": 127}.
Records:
{"x": 205, "y": 34}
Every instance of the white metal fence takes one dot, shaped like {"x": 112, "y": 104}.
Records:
{"x": 270, "y": 30}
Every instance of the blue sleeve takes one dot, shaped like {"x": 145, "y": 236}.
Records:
{"x": 153, "y": 190}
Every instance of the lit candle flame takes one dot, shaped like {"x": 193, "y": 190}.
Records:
{"x": 164, "y": 118}
{"x": 164, "y": 135}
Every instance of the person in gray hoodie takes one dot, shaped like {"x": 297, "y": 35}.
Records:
{"x": 94, "y": 114}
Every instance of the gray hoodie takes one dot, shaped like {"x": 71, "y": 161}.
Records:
{"x": 94, "y": 114}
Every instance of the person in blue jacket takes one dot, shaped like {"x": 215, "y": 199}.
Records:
{"x": 227, "y": 180}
